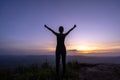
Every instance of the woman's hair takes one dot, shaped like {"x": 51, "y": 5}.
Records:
{"x": 61, "y": 29}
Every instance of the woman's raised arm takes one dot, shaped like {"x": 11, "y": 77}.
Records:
{"x": 70, "y": 30}
{"x": 50, "y": 29}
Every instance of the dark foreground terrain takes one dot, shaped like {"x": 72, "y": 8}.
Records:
{"x": 100, "y": 72}
{"x": 75, "y": 71}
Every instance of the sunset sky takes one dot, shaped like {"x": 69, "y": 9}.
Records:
{"x": 97, "y": 32}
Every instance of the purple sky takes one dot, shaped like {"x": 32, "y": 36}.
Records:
{"x": 21, "y": 23}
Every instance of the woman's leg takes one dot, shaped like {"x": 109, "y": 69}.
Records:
{"x": 64, "y": 62}
{"x": 57, "y": 63}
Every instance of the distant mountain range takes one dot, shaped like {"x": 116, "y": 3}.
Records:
{"x": 11, "y": 61}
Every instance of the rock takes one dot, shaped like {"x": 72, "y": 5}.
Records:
{"x": 100, "y": 72}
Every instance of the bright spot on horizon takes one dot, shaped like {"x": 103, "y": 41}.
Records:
{"x": 85, "y": 49}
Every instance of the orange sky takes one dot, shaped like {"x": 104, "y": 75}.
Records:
{"x": 85, "y": 47}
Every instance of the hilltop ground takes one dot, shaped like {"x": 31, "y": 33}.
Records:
{"x": 75, "y": 71}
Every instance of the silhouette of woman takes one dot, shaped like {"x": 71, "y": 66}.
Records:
{"x": 60, "y": 48}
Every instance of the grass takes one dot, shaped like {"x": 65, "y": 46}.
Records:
{"x": 43, "y": 72}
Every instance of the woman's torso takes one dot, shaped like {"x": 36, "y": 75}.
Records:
{"x": 60, "y": 42}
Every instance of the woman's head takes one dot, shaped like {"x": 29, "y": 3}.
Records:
{"x": 61, "y": 29}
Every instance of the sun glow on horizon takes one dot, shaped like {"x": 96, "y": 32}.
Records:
{"x": 85, "y": 48}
